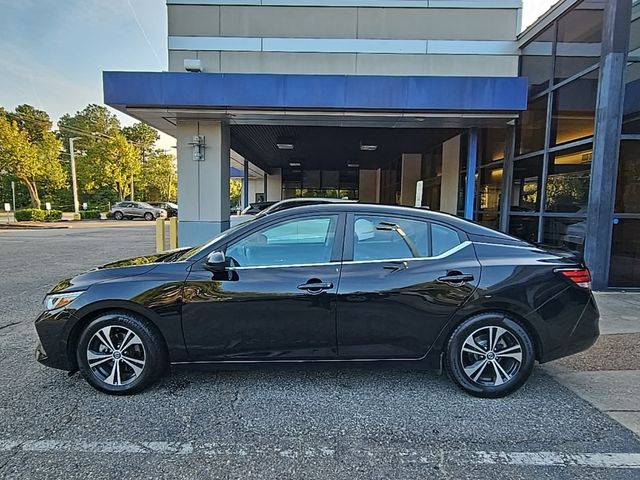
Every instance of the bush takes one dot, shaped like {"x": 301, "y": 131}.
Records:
{"x": 89, "y": 214}
{"x": 53, "y": 215}
{"x": 30, "y": 215}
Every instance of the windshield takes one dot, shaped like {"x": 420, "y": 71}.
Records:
{"x": 196, "y": 250}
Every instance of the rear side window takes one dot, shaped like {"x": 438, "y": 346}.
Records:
{"x": 443, "y": 239}
{"x": 386, "y": 238}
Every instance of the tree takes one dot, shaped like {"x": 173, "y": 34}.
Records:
{"x": 143, "y": 137}
{"x": 89, "y": 125}
{"x": 110, "y": 162}
{"x": 235, "y": 191}
{"x": 158, "y": 178}
{"x": 31, "y": 154}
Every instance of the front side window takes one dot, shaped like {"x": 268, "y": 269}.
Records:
{"x": 301, "y": 241}
{"x": 386, "y": 238}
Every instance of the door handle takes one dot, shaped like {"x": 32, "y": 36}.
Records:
{"x": 315, "y": 287}
{"x": 457, "y": 279}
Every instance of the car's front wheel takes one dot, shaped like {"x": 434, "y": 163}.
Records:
{"x": 120, "y": 353}
{"x": 148, "y": 216}
{"x": 490, "y": 355}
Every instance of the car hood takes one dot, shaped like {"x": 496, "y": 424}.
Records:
{"x": 114, "y": 270}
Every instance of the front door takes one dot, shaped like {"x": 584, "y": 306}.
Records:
{"x": 402, "y": 279}
{"x": 277, "y": 301}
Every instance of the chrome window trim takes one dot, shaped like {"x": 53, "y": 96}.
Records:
{"x": 446, "y": 254}
{"x": 293, "y": 265}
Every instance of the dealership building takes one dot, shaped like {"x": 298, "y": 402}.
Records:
{"x": 440, "y": 102}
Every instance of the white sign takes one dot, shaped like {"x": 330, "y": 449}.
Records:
{"x": 7, "y": 207}
{"x": 85, "y": 206}
{"x": 47, "y": 206}
{"x": 419, "y": 190}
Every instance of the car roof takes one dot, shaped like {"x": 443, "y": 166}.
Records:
{"x": 467, "y": 226}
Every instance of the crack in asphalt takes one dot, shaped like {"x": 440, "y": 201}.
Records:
{"x": 9, "y": 325}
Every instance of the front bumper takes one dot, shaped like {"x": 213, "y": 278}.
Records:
{"x": 54, "y": 328}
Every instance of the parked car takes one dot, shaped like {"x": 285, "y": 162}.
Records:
{"x": 325, "y": 283}
{"x": 170, "y": 207}
{"x": 283, "y": 205}
{"x": 129, "y": 210}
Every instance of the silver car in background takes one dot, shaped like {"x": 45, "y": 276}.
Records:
{"x": 129, "y": 210}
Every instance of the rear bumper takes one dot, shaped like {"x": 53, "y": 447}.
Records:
{"x": 583, "y": 332}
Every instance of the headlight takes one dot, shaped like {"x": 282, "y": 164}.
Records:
{"x": 58, "y": 300}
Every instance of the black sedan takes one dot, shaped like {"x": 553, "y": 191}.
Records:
{"x": 326, "y": 283}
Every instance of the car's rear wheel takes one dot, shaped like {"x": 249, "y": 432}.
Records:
{"x": 118, "y": 215}
{"x": 120, "y": 353}
{"x": 148, "y": 216}
{"x": 490, "y": 355}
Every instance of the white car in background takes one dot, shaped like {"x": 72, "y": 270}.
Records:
{"x": 282, "y": 205}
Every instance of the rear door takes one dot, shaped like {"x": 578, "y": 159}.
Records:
{"x": 402, "y": 279}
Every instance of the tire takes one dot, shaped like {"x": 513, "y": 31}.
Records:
{"x": 148, "y": 216}
{"x": 485, "y": 372}
{"x": 118, "y": 215}
{"x": 143, "y": 360}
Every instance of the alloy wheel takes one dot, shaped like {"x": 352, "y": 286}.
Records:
{"x": 491, "y": 356}
{"x": 116, "y": 355}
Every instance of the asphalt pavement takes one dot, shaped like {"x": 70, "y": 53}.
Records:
{"x": 326, "y": 422}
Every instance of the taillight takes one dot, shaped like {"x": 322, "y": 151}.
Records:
{"x": 579, "y": 276}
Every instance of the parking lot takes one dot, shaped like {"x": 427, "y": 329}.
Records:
{"x": 319, "y": 422}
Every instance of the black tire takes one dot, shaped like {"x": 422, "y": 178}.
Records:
{"x": 517, "y": 369}
{"x": 150, "y": 353}
{"x": 148, "y": 216}
{"x": 118, "y": 215}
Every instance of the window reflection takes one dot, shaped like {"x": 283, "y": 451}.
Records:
{"x": 525, "y": 228}
{"x": 537, "y": 62}
{"x": 525, "y": 192}
{"x": 574, "y": 107}
{"x": 565, "y": 232}
{"x": 628, "y": 186}
{"x": 579, "y": 39}
{"x": 568, "y": 181}
{"x": 625, "y": 253}
{"x": 531, "y": 127}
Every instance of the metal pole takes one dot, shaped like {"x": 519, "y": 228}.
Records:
{"x": 265, "y": 184}
{"x": 74, "y": 181}
{"x": 472, "y": 164}
{"x": 245, "y": 185}
{"x": 13, "y": 195}
{"x": 132, "y": 187}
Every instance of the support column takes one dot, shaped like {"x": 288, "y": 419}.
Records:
{"x": 265, "y": 187}
{"x": 606, "y": 145}
{"x": 450, "y": 176}
{"x": 367, "y": 186}
{"x": 409, "y": 176}
{"x": 203, "y": 186}
{"x": 507, "y": 178}
{"x": 472, "y": 164}
{"x": 274, "y": 185}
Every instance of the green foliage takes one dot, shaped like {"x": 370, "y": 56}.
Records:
{"x": 30, "y": 154}
{"x": 30, "y": 215}
{"x": 89, "y": 126}
{"x": 143, "y": 137}
{"x": 89, "y": 214}
{"x": 109, "y": 163}
{"x": 158, "y": 179}
{"x": 235, "y": 192}
{"x": 52, "y": 215}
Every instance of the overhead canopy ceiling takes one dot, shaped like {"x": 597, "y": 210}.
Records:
{"x": 332, "y": 148}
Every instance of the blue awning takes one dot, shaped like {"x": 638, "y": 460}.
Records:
{"x": 124, "y": 90}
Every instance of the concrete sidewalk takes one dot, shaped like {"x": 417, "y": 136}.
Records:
{"x": 608, "y": 374}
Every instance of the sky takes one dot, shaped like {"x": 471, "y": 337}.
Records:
{"x": 53, "y": 52}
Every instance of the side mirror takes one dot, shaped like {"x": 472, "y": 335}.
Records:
{"x": 216, "y": 262}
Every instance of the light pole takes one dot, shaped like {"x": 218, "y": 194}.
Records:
{"x": 74, "y": 181}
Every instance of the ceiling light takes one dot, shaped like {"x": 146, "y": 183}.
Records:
{"x": 285, "y": 143}
{"x": 368, "y": 147}
{"x": 294, "y": 164}
{"x": 353, "y": 165}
